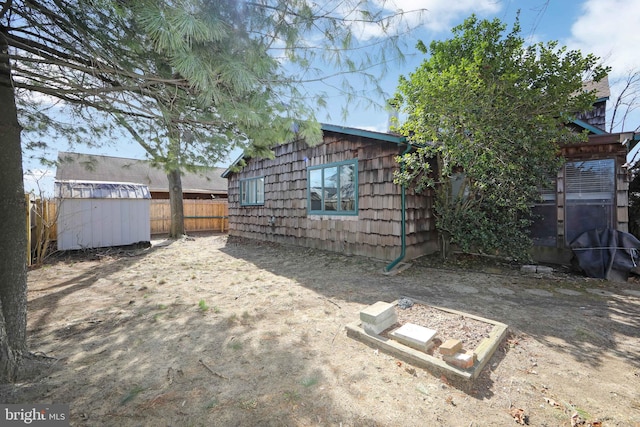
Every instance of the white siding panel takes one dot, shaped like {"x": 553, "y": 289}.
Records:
{"x": 93, "y": 223}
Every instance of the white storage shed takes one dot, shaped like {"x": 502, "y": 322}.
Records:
{"x": 93, "y": 214}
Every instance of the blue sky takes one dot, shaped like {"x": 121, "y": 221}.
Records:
{"x": 606, "y": 28}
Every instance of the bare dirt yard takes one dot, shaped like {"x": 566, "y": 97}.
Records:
{"x": 218, "y": 331}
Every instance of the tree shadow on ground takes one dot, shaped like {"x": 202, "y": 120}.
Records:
{"x": 565, "y": 313}
{"x": 132, "y": 369}
{"x": 49, "y": 303}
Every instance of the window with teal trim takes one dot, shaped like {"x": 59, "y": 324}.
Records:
{"x": 252, "y": 191}
{"x": 333, "y": 188}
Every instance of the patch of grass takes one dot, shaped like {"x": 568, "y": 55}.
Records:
{"x": 246, "y": 318}
{"x": 584, "y": 414}
{"x": 216, "y": 309}
{"x": 309, "y": 381}
{"x": 162, "y": 282}
{"x": 202, "y": 305}
{"x": 132, "y": 394}
{"x": 212, "y": 404}
{"x": 162, "y": 306}
{"x": 291, "y": 396}
{"x": 249, "y": 404}
{"x": 232, "y": 320}
{"x": 235, "y": 345}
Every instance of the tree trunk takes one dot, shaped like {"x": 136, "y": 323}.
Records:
{"x": 175, "y": 202}
{"x": 13, "y": 236}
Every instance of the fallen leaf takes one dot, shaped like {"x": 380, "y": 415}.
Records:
{"x": 398, "y": 363}
{"x": 411, "y": 371}
{"x": 449, "y": 400}
{"x": 519, "y": 416}
{"x": 596, "y": 424}
{"x": 576, "y": 420}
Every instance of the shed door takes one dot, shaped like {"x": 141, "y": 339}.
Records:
{"x": 590, "y": 193}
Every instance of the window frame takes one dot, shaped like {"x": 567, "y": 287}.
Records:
{"x": 255, "y": 195}
{"x": 576, "y": 199}
{"x": 339, "y": 211}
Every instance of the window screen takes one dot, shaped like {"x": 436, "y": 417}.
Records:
{"x": 590, "y": 193}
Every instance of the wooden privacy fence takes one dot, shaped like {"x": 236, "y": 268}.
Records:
{"x": 199, "y": 215}
{"x": 41, "y": 227}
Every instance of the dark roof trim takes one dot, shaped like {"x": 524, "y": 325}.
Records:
{"x": 226, "y": 173}
{"x": 325, "y": 127}
{"x": 590, "y": 128}
{"x": 397, "y": 139}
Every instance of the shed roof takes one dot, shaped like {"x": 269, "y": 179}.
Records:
{"x": 100, "y": 190}
{"x": 90, "y": 167}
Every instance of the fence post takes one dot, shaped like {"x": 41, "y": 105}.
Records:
{"x": 27, "y": 200}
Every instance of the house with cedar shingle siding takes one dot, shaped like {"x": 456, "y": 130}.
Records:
{"x": 338, "y": 195}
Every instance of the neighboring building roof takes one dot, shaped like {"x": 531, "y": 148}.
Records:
{"x": 602, "y": 88}
{"x": 77, "y": 166}
{"x": 325, "y": 127}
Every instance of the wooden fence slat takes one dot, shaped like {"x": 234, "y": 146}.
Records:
{"x": 199, "y": 215}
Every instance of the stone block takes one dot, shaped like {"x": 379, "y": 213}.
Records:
{"x": 378, "y": 313}
{"x": 375, "y": 329}
{"x": 450, "y": 347}
{"x": 460, "y": 360}
{"x": 414, "y": 336}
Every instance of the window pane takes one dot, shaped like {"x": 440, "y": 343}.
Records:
{"x": 347, "y": 187}
{"x": 544, "y": 225}
{"x": 315, "y": 189}
{"x": 243, "y": 193}
{"x": 590, "y": 191}
{"x": 252, "y": 191}
{"x": 260, "y": 190}
{"x": 331, "y": 189}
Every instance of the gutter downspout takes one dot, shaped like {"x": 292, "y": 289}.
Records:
{"x": 403, "y": 237}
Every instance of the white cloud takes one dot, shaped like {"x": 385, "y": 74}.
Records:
{"x": 441, "y": 15}
{"x": 606, "y": 28}
{"x": 437, "y": 15}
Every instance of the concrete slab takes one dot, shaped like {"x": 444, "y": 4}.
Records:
{"x": 414, "y": 336}
{"x": 378, "y": 317}
{"x": 377, "y": 312}
{"x": 483, "y": 352}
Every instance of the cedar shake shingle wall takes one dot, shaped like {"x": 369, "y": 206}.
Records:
{"x": 374, "y": 232}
